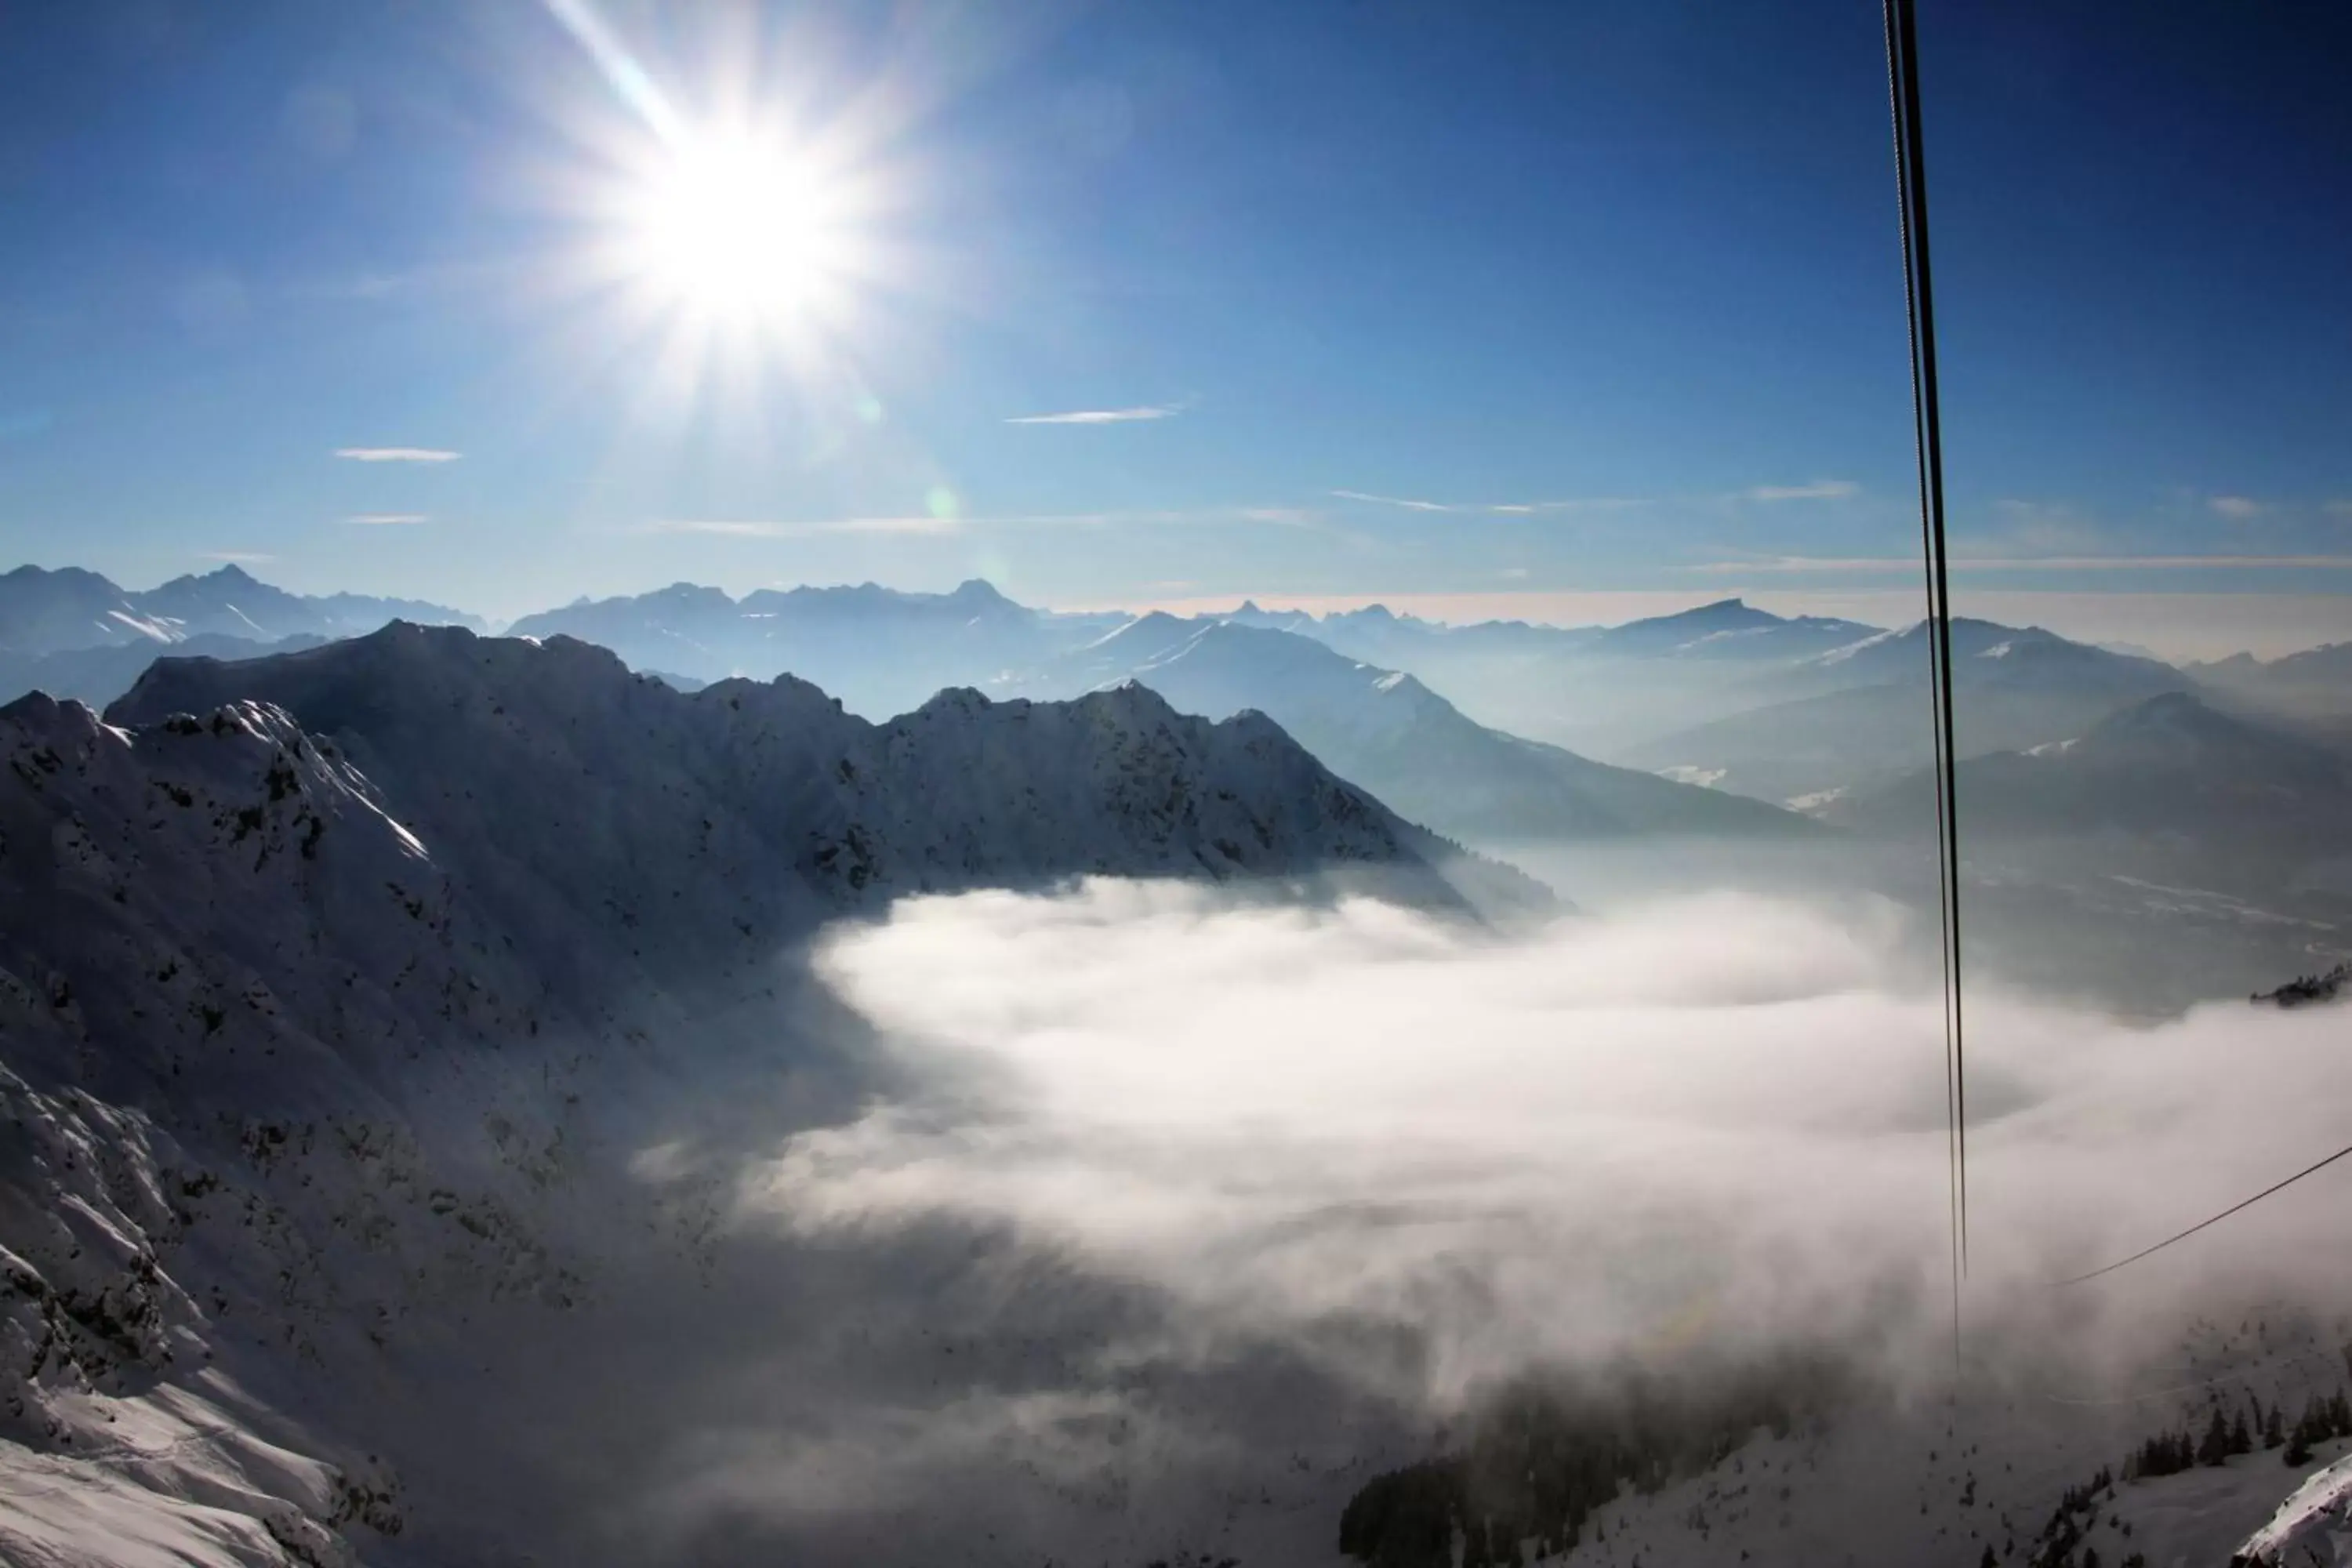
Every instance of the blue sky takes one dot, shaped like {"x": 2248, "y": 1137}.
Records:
{"x": 1607, "y": 292}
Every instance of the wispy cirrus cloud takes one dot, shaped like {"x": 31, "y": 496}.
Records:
{"x": 1960, "y": 562}
{"x": 2237, "y": 509}
{"x": 1406, "y": 503}
{"x": 1503, "y": 508}
{"x": 397, "y": 454}
{"x": 764, "y": 528}
{"x": 1102, "y": 415}
{"x": 1819, "y": 489}
{"x": 235, "y": 557}
{"x": 386, "y": 519}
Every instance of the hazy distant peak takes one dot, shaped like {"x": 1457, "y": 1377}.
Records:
{"x": 979, "y": 590}
{"x": 1151, "y": 630}
{"x": 2178, "y": 716}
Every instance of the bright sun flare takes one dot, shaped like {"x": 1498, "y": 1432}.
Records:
{"x": 741, "y": 229}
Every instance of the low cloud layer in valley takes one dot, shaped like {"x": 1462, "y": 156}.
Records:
{"x": 1715, "y": 1119}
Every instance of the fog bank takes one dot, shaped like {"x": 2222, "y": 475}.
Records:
{"x": 1715, "y": 1119}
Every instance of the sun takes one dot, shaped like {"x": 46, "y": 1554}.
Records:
{"x": 742, "y": 229}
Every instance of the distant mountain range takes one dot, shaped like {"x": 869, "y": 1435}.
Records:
{"x": 44, "y": 611}
{"x": 97, "y": 675}
{"x": 2168, "y": 786}
{"x": 1859, "y": 716}
{"x": 879, "y": 650}
{"x": 1471, "y": 728}
{"x": 2314, "y": 684}
{"x": 1594, "y": 689}
{"x": 1386, "y": 731}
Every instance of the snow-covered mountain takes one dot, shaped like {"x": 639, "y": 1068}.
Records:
{"x": 44, "y": 611}
{"x": 879, "y": 650}
{"x": 960, "y": 792}
{"x": 1410, "y": 746}
{"x": 341, "y": 992}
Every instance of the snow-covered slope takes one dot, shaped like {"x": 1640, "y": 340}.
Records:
{"x": 2312, "y": 1528}
{"x": 321, "y": 1085}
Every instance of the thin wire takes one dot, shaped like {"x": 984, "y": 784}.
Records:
{"x": 2201, "y": 1224}
{"x": 1919, "y": 301}
{"x": 1939, "y": 558}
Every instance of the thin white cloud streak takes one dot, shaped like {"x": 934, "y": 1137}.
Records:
{"x": 732, "y": 528}
{"x": 1503, "y": 509}
{"x": 2237, "y": 509}
{"x": 386, "y": 519}
{"x": 1407, "y": 504}
{"x": 1724, "y": 1112}
{"x": 1819, "y": 489}
{"x": 2029, "y": 562}
{"x": 236, "y": 557}
{"x": 1100, "y": 415}
{"x": 397, "y": 454}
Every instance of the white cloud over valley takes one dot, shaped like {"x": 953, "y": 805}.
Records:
{"x": 1718, "y": 1119}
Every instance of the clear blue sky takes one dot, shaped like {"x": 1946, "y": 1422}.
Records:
{"x": 1630, "y": 265}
